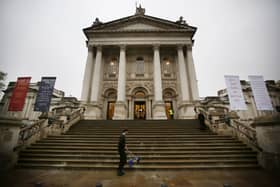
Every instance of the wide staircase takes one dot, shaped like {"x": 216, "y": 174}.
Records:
{"x": 173, "y": 144}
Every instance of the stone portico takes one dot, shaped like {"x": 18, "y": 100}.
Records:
{"x": 139, "y": 67}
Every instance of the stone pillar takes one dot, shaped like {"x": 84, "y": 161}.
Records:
{"x": 185, "y": 106}
{"x": 87, "y": 76}
{"x": 159, "y": 105}
{"x": 120, "y": 106}
{"x": 93, "y": 109}
{"x": 96, "y": 75}
{"x": 192, "y": 74}
{"x": 184, "y": 83}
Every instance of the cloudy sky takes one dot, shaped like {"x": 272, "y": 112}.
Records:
{"x": 45, "y": 38}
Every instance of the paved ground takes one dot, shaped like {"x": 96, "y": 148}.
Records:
{"x": 193, "y": 178}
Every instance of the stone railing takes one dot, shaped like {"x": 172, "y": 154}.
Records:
{"x": 261, "y": 134}
{"x": 15, "y": 135}
{"x": 215, "y": 120}
{"x": 244, "y": 132}
{"x": 28, "y": 131}
{"x": 44, "y": 127}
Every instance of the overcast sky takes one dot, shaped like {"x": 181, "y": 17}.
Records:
{"x": 45, "y": 38}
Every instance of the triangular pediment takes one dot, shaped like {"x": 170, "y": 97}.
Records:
{"x": 139, "y": 23}
{"x": 139, "y": 26}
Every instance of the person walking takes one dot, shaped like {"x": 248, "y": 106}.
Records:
{"x": 122, "y": 148}
{"x": 171, "y": 114}
{"x": 201, "y": 119}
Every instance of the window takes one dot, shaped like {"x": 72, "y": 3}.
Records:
{"x": 112, "y": 68}
{"x": 139, "y": 66}
{"x": 166, "y": 67}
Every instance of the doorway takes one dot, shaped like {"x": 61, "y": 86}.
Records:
{"x": 139, "y": 110}
{"x": 110, "y": 110}
{"x": 169, "y": 110}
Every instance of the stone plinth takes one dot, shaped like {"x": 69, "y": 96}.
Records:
{"x": 186, "y": 110}
{"x": 159, "y": 110}
{"x": 268, "y": 140}
{"x": 93, "y": 111}
{"x": 120, "y": 111}
{"x": 9, "y": 135}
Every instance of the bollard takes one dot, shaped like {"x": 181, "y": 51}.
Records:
{"x": 98, "y": 184}
{"x": 227, "y": 185}
{"x": 163, "y": 185}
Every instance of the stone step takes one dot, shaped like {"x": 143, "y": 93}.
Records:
{"x": 138, "y": 133}
{"x": 161, "y": 144}
{"x": 175, "y": 142}
{"x": 143, "y": 161}
{"x": 140, "y": 152}
{"x": 139, "y": 122}
{"x": 137, "y": 167}
{"x": 142, "y": 136}
{"x": 130, "y": 145}
{"x": 146, "y": 157}
{"x": 167, "y": 139}
{"x": 145, "y": 127}
{"x": 151, "y": 149}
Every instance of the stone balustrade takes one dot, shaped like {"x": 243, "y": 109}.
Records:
{"x": 15, "y": 135}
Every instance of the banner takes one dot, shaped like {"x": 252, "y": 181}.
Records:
{"x": 44, "y": 95}
{"x": 19, "y": 94}
{"x": 235, "y": 94}
{"x": 260, "y": 93}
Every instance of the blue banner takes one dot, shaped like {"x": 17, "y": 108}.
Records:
{"x": 44, "y": 95}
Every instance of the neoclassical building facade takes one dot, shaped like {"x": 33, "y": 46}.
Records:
{"x": 139, "y": 67}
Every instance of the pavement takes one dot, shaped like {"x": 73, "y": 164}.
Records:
{"x": 139, "y": 178}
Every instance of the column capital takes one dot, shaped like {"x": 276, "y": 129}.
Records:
{"x": 98, "y": 47}
{"x": 156, "y": 46}
{"x": 90, "y": 47}
{"x": 122, "y": 46}
{"x": 189, "y": 47}
{"x": 180, "y": 47}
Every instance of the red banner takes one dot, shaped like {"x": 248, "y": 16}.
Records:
{"x": 19, "y": 94}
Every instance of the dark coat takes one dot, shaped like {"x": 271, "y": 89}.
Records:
{"x": 121, "y": 146}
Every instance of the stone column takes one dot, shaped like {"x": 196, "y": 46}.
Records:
{"x": 184, "y": 83}
{"x": 185, "y": 106}
{"x": 96, "y": 75}
{"x": 192, "y": 74}
{"x": 158, "y": 106}
{"x": 87, "y": 76}
{"x": 120, "y": 106}
{"x": 93, "y": 109}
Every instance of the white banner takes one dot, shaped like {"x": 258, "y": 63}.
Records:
{"x": 260, "y": 93}
{"x": 236, "y": 98}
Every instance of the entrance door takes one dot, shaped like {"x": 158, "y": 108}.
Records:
{"x": 110, "y": 110}
{"x": 140, "y": 110}
{"x": 169, "y": 110}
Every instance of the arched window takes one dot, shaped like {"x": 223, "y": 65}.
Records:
{"x": 113, "y": 67}
{"x": 166, "y": 66}
{"x": 139, "y": 66}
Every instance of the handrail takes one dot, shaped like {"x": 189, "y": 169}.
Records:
{"x": 252, "y": 137}
{"x": 29, "y": 131}
{"x": 249, "y": 133}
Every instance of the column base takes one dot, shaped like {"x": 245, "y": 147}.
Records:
{"x": 186, "y": 110}
{"x": 93, "y": 111}
{"x": 120, "y": 111}
{"x": 159, "y": 110}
